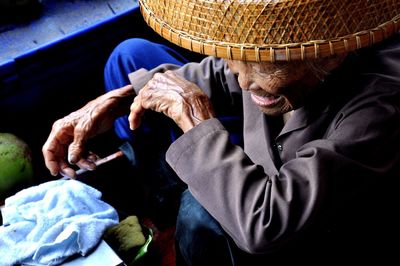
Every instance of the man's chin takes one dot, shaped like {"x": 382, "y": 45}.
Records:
{"x": 276, "y": 110}
{"x": 271, "y": 111}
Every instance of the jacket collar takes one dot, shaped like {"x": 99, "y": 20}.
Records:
{"x": 318, "y": 106}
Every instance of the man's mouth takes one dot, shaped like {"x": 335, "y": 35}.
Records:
{"x": 265, "y": 101}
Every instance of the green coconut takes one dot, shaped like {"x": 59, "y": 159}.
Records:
{"x": 16, "y": 169}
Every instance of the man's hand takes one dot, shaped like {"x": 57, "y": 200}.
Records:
{"x": 69, "y": 134}
{"x": 182, "y": 101}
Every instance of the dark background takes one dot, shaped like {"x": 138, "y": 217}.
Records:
{"x": 59, "y": 75}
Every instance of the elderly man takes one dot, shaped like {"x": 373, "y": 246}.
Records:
{"x": 317, "y": 85}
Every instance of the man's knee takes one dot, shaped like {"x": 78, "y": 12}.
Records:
{"x": 129, "y": 52}
{"x": 133, "y": 46}
{"x": 193, "y": 219}
{"x": 200, "y": 240}
{"x": 125, "y": 58}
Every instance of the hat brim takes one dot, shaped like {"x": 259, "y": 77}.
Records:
{"x": 312, "y": 49}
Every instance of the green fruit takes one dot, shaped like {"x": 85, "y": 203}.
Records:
{"x": 16, "y": 170}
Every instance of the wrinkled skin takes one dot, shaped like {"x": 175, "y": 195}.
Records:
{"x": 177, "y": 98}
{"x": 69, "y": 134}
{"x": 278, "y": 88}
{"x": 275, "y": 88}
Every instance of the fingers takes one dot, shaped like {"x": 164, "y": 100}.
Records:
{"x": 147, "y": 99}
{"x": 77, "y": 155}
{"x": 66, "y": 170}
{"x": 66, "y": 140}
{"x": 75, "y": 149}
{"x": 179, "y": 99}
{"x": 52, "y": 165}
{"x": 88, "y": 163}
{"x": 136, "y": 114}
{"x": 54, "y": 149}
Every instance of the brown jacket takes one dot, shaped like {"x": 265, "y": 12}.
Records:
{"x": 324, "y": 175}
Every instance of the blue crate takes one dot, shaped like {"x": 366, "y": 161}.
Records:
{"x": 54, "y": 64}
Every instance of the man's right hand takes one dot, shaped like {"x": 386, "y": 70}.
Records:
{"x": 66, "y": 142}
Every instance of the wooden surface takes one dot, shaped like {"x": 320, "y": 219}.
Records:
{"x": 58, "y": 19}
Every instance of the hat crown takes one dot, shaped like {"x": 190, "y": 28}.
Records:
{"x": 276, "y": 24}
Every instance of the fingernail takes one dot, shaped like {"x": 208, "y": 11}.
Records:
{"x": 72, "y": 158}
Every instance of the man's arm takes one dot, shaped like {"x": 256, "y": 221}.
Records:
{"x": 211, "y": 75}
{"x": 70, "y": 133}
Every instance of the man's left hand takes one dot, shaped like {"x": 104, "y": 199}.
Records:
{"x": 181, "y": 100}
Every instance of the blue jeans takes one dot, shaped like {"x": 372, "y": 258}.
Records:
{"x": 200, "y": 240}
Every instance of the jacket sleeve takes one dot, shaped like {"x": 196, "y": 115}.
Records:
{"x": 231, "y": 187}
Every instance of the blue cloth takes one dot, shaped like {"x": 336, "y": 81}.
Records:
{"x": 46, "y": 224}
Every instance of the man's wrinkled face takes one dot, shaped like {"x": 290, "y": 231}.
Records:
{"x": 276, "y": 88}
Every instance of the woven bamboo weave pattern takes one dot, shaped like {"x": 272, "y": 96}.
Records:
{"x": 272, "y": 30}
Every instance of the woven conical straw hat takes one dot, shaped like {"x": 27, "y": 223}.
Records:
{"x": 273, "y": 30}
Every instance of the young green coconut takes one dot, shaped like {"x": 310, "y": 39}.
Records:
{"x": 16, "y": 169}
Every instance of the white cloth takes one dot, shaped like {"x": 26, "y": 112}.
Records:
{"x": 45, "y": 224}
